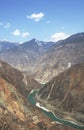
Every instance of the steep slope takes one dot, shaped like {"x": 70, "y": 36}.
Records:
{"x": 62, "y": 56}
{"x": 22, "y": 82}
{"x": 15, "y": 111}
{"x": 64, "y": 94}
{"x": 12, "y": 109}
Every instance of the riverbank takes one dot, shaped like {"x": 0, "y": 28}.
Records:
{"x": 50, "y": 114}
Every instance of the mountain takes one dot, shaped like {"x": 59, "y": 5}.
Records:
{"x": 13, "y": 113}
{"x": 22, "y": 82}
{"x": 25, "y": 53}
{"x": 16, "y": 113}
{"x": 6, "y": 45}
{"x": 45, "y": 60}
{"x": 79, "y": 37}
{"x": 38, "y": 46}
{"x": 61, "y": 56}
{"x": 64, "y": 94}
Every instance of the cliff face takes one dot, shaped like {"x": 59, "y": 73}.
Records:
{"x": 65, "y": 94}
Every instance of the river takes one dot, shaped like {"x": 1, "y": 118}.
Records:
{"x": 51, "y": 114}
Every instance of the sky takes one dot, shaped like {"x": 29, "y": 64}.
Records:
{"x": 45, "y": 20}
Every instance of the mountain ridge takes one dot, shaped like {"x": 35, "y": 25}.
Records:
{"x": 25, "y": 53}
{"x": 44, "y": 60}
{"x": 61, "y": 56}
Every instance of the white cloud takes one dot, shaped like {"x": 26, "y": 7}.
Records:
{"x": 7, "y": 26}
{"x": 36, "y": 17}
{"x": 25, "y": 34}
{"x": 59, "y": 36}
{"x": 17, "y": 32}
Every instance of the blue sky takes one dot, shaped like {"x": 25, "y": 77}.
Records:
{"x": 22, "y": 20}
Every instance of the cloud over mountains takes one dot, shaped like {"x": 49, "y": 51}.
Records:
{"x": 59, "y": 36}
{"x": 17, "y": 32}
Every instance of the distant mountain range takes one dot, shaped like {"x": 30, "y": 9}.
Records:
{"x": 6, "y": 45}
{"x": 44, "y": 60}
{"x": 25, "y": 53}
